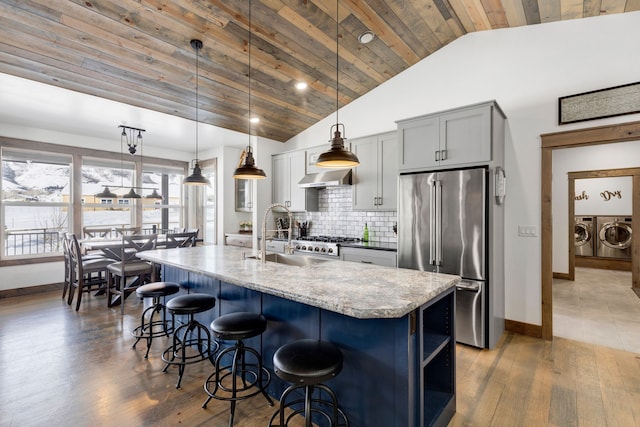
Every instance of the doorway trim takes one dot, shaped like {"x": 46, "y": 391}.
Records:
{"x": 571, "y": 139}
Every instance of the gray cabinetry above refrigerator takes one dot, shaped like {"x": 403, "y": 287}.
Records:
{"x": 453, "y": 138}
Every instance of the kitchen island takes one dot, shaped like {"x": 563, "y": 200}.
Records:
{"x": 394, "y": 326}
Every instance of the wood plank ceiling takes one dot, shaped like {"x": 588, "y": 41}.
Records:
{"x": 138, "y": 51}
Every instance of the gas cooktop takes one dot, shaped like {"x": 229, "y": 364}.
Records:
{"x": 321, "y": 245}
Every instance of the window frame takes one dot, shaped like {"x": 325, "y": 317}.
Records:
{"x": 76, "y": 156}
{"x": 22, "y": 155}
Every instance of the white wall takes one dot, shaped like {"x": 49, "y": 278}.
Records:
{"x": 526, "y": 70}
{"x": 595, "y": 157}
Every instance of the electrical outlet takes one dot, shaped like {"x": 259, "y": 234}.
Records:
{"x": 527, "y": 231}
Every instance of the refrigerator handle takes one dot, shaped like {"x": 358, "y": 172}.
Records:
{"x": 432, "y": 225}
{"x": 438, "y": 216}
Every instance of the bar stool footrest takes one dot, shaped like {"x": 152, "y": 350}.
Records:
{"x": 152, "y": 330}
{"x": 322, "y": 406}
{"x": 173, "y": 354}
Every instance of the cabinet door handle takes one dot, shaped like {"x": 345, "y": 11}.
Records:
{"x": 437, "y": 158}
{"x": 365, "y": 262}
{"x": 443, "y": 155}
{"x": 379, "y": 201}
{"x": 375, "y": 201}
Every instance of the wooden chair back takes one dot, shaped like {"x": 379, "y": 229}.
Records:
{"x": 134, "y": 243}
{"x": 180, "y": 240}
{"x": 129, "y": 231}
{"x": 97, "y": 232}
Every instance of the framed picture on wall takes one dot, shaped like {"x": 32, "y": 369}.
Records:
{"x": 599, "y": 104}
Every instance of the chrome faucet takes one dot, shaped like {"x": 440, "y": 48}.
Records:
{"x": 288, "y": 249}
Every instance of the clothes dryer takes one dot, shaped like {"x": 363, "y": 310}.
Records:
{"x": 614, "y": 237}
{"x": 584, "y": 235}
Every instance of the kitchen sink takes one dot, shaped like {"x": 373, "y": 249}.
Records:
{"x": 295, "y": 260}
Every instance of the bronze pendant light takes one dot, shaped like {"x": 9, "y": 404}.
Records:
{"x": 249, "y": 170}
{"x": 154, "y": 195}
{"x": 337, "y": 156}
{"x": 106, "y": 194}
{"x": 196, "y": 178}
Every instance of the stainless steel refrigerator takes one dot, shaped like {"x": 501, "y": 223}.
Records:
{"x": 442, "y": 227}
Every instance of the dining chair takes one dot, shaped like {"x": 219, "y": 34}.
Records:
{"x": 85, "y": 275}
{"x": 129, "y": 231}
{"x": 130, "y": 266}
{"x": 96, "y": 232}
{"x": 180, "y": 240}
{"x": 192, "y": 230}
{"x": 66, "y": 252}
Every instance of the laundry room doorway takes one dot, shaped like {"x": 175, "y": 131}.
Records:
{"x": 557, "y": 142}
{"x": 601, "y": 211}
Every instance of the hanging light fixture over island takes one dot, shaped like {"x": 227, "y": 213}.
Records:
{"x": 196, "y": 178}
{"x": 247, "y": 169}
{"x": 337, "y": 156}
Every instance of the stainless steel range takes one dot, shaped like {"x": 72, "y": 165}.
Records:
{"x": 321, "y": 245}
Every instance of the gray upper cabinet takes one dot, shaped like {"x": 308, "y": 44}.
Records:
{"x": 457, "y": 137}
{"x": 375, "y": 180}
{"x": 312, "y": 158}
{"x": 288, "y": 170}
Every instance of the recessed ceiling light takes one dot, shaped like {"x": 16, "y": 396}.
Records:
{"x": 254, "y": 119}
{"x": 366, "y": 37}
{"x": 301, "y": 85}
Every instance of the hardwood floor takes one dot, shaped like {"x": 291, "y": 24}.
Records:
{"x": 61, "y": 367}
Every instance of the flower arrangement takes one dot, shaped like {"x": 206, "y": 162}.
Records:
{"x": 245, "y": 225}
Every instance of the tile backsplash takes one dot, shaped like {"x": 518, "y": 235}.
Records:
{"x": 336, "y": 218}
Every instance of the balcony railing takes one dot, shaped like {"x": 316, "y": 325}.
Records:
{"x": 42, "y": 241}
{"x": 32, "y": 242}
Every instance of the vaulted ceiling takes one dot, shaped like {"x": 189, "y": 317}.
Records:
{"x": 138, "y": 51}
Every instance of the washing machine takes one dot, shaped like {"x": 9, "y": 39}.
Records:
{"x": 584, "y": 236}
{"x": 614, "y": 237}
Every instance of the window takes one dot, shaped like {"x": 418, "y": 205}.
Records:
{"x": 36, "y": 202}
{"x": 165, "y": 213}
{"x": 101, "y": 211}
{"x": 209, "y": 170}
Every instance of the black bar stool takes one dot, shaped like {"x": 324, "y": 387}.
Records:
{"x": 253, "y": 376}
{"x": 154, "y": 327}
{"x": 189, "y": 335}
{"x": 306, "y": 364}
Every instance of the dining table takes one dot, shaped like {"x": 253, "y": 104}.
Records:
{"x": 112, "y": 248}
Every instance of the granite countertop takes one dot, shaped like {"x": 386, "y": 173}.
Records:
{"x": 357, "y": 290}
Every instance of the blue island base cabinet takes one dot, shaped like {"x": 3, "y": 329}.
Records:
{"x": 397, "y": 372}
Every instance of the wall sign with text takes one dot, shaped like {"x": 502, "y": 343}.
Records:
{"x": 603, "y": 196}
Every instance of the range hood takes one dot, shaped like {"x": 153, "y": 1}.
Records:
{"x": 330, "y": 178}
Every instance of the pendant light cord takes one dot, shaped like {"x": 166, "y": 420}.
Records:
{"x": 197, "y": 123}
{"x": 337, "y": 77}
{"x": 250, "y": 123}
{"x": 121, "y": 161}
